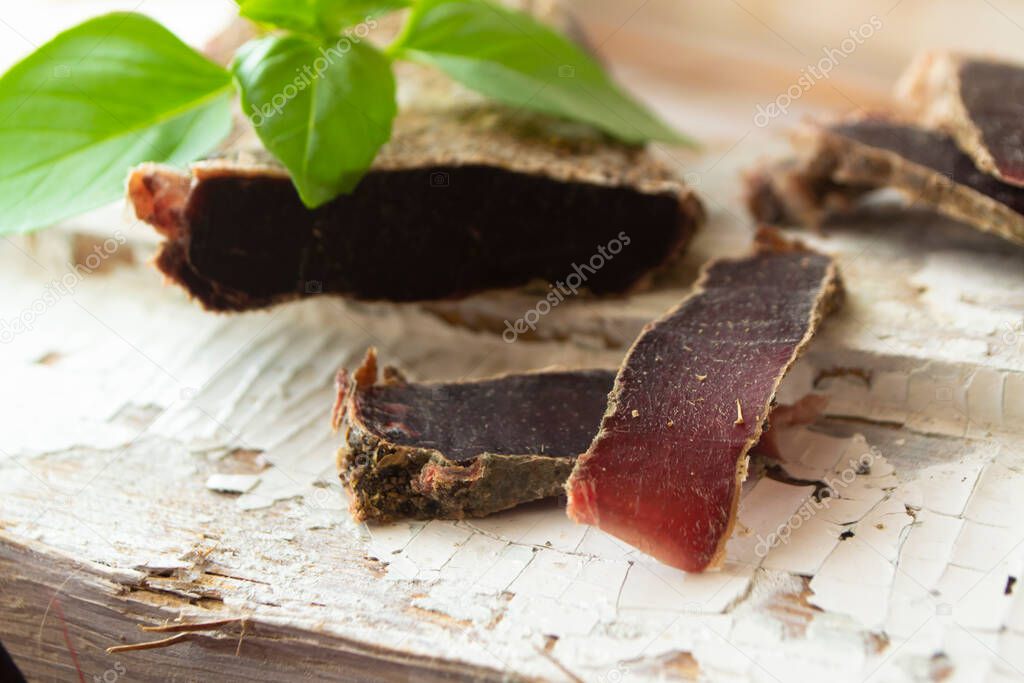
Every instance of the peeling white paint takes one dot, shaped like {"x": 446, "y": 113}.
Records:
{"x": 109, "y": 447}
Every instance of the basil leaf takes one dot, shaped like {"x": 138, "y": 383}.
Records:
{"x": 322, "y": 110}
{"x": 320, "y": 18}
{"x": 77, "y": 113}
{"x": 511, "y": 57}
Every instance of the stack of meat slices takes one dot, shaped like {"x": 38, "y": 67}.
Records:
{"x": 957, "y": 146}
{"x": 654, "y": 453}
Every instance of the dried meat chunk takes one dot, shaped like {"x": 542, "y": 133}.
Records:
{"x": 691, "y": 399}
{"x": 979, "y": 101}
{"x": 462, "y": 449}
{"x": 792, "y": 191}
{"x": 861, "y": 154}
{"x": 459, "y": 201}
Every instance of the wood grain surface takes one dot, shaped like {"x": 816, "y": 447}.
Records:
{"x": 161, "y": 467}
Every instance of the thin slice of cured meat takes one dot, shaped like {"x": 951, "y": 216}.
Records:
{"x": 978, "y": 100}
{"x": 461, "y": 449}
{"x": 692, "y": 398}
{"x": 841, "y": 162}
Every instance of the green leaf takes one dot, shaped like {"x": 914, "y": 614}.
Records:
{"x": 320, "y": 18}
{"x": 78, "y": 112}
{"x": 323, "y": 111}
{"x": 510, "y": 57}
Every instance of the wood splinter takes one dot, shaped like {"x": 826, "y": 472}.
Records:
{"x": 182, "y": 632}
{"x": 195, "y": 626}
{"x": 151, "y": 645}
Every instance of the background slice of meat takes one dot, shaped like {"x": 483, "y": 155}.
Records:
{"x": 876, "y": 152}
{"x": 792, "y": 191}
{"x": 692, "y": 398}
{"x": 979, "y": 101}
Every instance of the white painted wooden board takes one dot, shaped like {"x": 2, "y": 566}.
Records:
{"x": 124, "y": 401}
{"x": 127, "y": 412}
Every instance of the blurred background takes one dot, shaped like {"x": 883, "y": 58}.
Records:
{"x": 742, "y": 53}
{"x": 706, "y": 64}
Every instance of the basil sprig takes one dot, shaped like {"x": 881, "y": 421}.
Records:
{"x": 320, "y": 18}
{"x": 327, "y": 121}
{"x": 510, "y": 57}
{"x": 121, "y": 89}
{"x": 82, "y": 109}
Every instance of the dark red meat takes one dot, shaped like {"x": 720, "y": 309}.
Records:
{"x": 979, "y": 101}
{"x": 461, "y": 449}
{"x": 692, "y": 397}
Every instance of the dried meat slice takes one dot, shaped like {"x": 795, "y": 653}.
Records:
{"x": 979, "y": 101}
{"x": 691, "y": 399}
{"x": 842, "y": 161}
{"x": 460, "y": 201}
{"x": 462, "y": 449}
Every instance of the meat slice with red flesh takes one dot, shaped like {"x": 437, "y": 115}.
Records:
{"x": 692, "y": 398}
{"x": 979, "y": 101}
